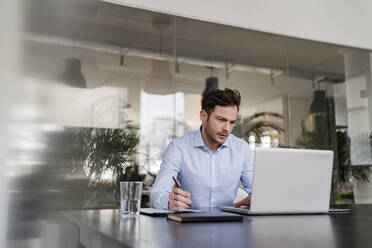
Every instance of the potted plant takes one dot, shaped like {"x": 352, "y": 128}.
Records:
{"x": 359, "y": 173}
{"x": 102, "y": 152}
{"x": 344, "y": 174}
{"x": 257, "y": 125}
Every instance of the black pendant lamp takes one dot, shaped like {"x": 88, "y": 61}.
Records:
{"x": 211, "y": 82}
{"x": 319, "y": 103}
{"x": 72, "y": 75}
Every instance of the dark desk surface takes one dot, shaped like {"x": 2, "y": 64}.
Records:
{"x": 106, "y": 228}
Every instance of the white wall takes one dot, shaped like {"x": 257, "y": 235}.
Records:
{"x": 341, "y": 22}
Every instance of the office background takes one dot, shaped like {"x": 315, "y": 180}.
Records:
{"x": 75, "y": 71}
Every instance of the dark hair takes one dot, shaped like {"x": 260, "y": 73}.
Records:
{"x": 213, "y": 97}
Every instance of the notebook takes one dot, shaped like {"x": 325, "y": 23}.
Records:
{"x": 289, "y": 181}
{"x": 164, "y": 212}
{"x": 204, "y": 216}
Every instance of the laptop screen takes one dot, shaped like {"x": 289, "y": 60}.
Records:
{"x": 291, "y": 180}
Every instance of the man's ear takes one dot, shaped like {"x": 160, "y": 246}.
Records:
{"x": 203, "y": 116}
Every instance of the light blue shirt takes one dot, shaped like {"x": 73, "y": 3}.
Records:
{"x": 212, "y": 178}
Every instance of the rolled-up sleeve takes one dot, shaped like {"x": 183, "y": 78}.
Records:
{"x": 247, "y": 172}
{"x": 163, "y": 185}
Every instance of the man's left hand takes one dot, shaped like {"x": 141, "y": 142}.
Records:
{"x": 244, "y": 201}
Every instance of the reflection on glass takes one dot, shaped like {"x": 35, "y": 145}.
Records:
{"x": 148, "y": 73}
{"x": 299, "y": 231}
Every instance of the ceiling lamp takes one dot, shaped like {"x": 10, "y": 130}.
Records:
{"x": 159, "y": 81}
{"x": 72, "y": 75}
{"x": 319, "y": 103}
{"x": 211, "y": 82}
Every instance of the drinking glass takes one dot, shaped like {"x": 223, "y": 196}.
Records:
{"x": 130, "y": 198}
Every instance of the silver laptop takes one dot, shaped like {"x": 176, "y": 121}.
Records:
{"x": 290, "y": 181}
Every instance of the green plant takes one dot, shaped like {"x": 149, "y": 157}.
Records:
{"x": 346, "y": 171}
{"x": 111, "y": 150}
{"x": 97, "y": 151}
{"x": 343, "y": 171}
{"x": 258, "y": 124}
{"x": 78, "y": 149}
{"x": 317, "y": 138}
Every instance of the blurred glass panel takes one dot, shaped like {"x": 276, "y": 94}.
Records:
{"x": 89, "y": 72}
{"x": 102, "y": 89}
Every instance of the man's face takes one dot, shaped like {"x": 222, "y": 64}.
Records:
{"x": 219, "y": 124}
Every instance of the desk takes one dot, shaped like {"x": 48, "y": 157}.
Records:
{"x": 106, "y": 228}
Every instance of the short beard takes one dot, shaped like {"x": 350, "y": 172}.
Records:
{"x": 209, "y": 136}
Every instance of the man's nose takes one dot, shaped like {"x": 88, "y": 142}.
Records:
{"x": 226, "y": 126}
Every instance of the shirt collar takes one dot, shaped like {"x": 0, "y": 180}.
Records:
{"x": 198, "y": 140}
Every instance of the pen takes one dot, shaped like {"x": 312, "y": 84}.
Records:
{"x": 178, "y": 185}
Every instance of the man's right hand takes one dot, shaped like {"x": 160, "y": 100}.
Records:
{"x": 179, "y": 199}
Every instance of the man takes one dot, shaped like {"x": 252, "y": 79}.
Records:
{"x": 209, "y": 162}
